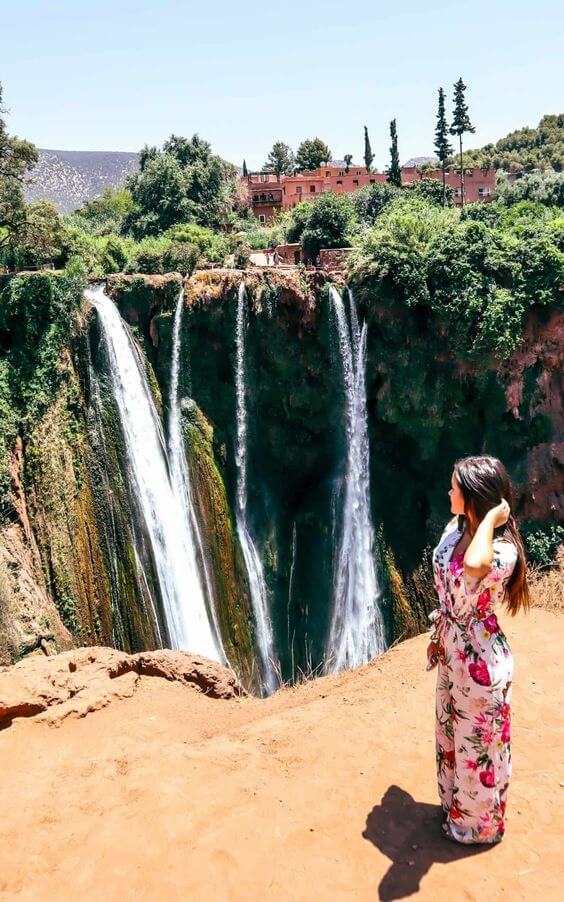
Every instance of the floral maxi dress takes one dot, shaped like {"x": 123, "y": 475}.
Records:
{"x": 475, "y": 670}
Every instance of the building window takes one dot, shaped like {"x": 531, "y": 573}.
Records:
{"x": 327, "y": 174}
{"x": 372, "y": 181}
{"x": 298, "y": 189}
{"x": 355, "y": 181}
{"x": 358, "y": 172}
{"x": 255, "y": 198}
{"x": 264, "y": 177}
{"x": 263, "y": 198}
{"x": 271, "y": 196}
{"x": 484, "y": 191}
{"x": 262, "y": 218}
{"x": 341, "y": 173}
{"x": 312, "y": 189}
{"x": 339, "y": 181}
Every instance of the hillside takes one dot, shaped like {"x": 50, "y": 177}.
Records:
{"x": 69, "y": 178}
{"x": 325, "y": 790}
{"x": 525, "y": 148}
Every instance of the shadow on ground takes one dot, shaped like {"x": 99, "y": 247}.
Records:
{"x": 409, "y": 833}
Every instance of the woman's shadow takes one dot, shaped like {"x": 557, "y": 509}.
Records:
{"x": 409, "y": 833}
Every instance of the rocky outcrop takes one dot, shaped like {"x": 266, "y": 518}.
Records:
{"x": 77, "y": 682}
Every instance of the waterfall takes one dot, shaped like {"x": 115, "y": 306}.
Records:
{"x": 356, "y": 633}
{"x": 179, "y": 475}
{"x": 253, "y": 563}
{"x": 167, "y": 529}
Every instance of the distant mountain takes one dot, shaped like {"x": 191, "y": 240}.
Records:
{"x": 69, "y": 178}
{"x": 420, "y": 161}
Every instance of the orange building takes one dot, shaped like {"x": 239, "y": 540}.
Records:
{"x": 269, "y": 193}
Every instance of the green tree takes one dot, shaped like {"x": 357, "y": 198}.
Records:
{"x": 330, "y": 224}
{"x": 370, "y": 201}
{"x": 245, "y": 170}
{"x": 368, "y": 155}
{"x": 280, "y": 159}
{"x": 105, "y": 214}
{"x": 17, "y": 158}
{"x": 394, "y": 170}
{"x": 312, "y": 153}
{"x": 432, "y": 191}
{"x": 442, "y": 145}
{"x": 182, "y": 182}
{"x": 159, "y": 195}
{"x": 348, "y": 161}
{"x": 460, "y": 125}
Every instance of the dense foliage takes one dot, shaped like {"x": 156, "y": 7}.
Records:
{"x": 478, "y": 271}
{"x": 16, "y": 159}
{"x": 35, "y": 324}
{"x": 280, "y": 159}
{"x": 526, "y": 148}
{"x": 182, "y": 182}
{"x": 312, "y": 153}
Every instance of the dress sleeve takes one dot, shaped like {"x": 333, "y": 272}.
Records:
{"x": 504, "y": 559}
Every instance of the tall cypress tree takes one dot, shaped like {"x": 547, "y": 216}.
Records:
{"x": 368, "y": 155}
{"x": 245, "y": 170}
{"x": 460, "y": 125}
{"x": 348, "y": 160}
{"x": 394, "y": 170}
{"x": 442, "y": 146}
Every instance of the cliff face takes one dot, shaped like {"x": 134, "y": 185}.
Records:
{"x": 69, "y": 546}
{"x": 426, "y": 408}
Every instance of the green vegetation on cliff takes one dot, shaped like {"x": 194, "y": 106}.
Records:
{"x": 36, "y": 314}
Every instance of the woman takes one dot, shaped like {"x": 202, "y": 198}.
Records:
{"x": 478, "y": 562}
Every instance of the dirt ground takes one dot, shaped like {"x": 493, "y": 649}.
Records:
{"x": 324, "y": 791}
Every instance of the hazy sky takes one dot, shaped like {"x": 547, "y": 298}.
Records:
{"x": 116, "y": 74}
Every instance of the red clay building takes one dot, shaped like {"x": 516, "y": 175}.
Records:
{"x": 269, "y": 193}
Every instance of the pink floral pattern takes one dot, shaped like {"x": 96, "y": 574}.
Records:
{"x": 473, "y": 694}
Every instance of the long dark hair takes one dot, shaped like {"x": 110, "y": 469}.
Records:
{"x": 484, "y": 481}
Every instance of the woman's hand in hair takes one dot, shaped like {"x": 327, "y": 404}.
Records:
{"x": 478, "y": 558}
{"x": 499, "y": 514}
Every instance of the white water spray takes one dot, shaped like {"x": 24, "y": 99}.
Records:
{"x": 253, "y": 563}
{"x": 167, "y": 529}
{"x": 356, "y": 633}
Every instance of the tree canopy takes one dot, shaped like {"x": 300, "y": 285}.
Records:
{"x": 525, "y": 148}
{"x": 182, "y": 182}
{"x": 17, "y": 158}
{"x": 312, "y": 153}
{"x": 280, "y": 159}
{"x": 394, "y": 169}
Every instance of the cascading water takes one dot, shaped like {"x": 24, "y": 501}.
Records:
{"x": 356, "y": 633}
{"x": 168, "y": 531}
{"x": 179, "y": 474}
{"x": 253, "y": 563}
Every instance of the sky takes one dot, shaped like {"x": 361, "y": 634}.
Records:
{"x": 117, "y": 74}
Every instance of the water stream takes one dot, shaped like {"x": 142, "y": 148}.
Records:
{"x": 356, "y": 633}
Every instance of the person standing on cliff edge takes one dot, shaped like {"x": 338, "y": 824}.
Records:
{"x": 478, "y": 563}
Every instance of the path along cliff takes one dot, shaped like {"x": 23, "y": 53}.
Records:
{"x": 326, "y": 790}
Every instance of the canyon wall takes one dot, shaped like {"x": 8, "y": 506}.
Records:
{"x": 68, "y": 568}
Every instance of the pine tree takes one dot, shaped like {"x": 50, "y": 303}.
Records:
{"x": 368, "y": 155}
{"x": 245, "y": 170}
{"x": 280, "y": 159}
{"x": 394, "y": 170}
{"x": 460, "y": 125}
{"x": 442, "y": 146}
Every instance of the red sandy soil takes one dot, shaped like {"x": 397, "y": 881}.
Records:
{"x": 323, "y": 791}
